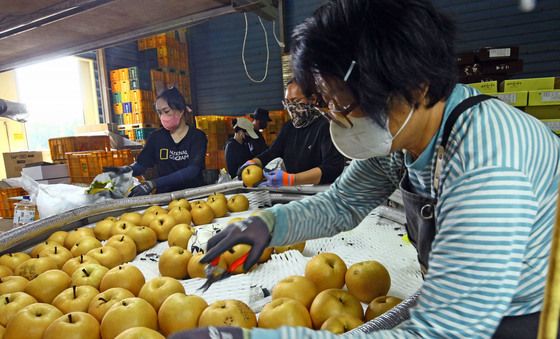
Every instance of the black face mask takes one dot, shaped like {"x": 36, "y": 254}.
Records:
{"x": 302, "y": 114}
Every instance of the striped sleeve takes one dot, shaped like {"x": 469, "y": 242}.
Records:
{"x": 364, "y": 185}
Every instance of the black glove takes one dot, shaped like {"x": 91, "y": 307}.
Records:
{"x": 117, "y": 169}
{"x": 245, "y": 165}
{"x": 142, "y": 189}
{"x": 210, "y": 333}
{"x": 251, "y": 231}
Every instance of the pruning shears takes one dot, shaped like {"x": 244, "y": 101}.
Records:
{"x": 215, "y": 273}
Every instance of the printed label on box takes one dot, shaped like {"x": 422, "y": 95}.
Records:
{"x": 550, "y": 96}
{"x": 499, "y": 52}
{"x": 510, "y": 98}
{"x": 22, "y": 217}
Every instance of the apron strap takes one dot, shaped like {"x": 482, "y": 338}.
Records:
{"x": 457, "y": 111}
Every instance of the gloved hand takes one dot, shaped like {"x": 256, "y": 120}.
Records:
{"x": 278, "y": 178}
{"x": 142, "y": 189}
{"x": 245, "y": 165}
{"x": 211, "y": 333}
{"x": 117, "y": 169}
{"x": 254, "y": 231}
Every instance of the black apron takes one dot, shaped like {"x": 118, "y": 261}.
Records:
{"x": 421, "y": 226}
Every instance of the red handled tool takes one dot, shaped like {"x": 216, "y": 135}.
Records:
{"x": 215, "y": 273}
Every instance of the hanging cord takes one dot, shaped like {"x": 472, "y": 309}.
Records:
{"x": 280, "y": 43}
{"x": 267, "y": 51}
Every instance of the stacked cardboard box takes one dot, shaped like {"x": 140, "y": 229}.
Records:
{"x": 14, "y": 162}
{"x": 487, "y": 64}
{"x": 539, "y": 97}
{"x": 48, "y": 174}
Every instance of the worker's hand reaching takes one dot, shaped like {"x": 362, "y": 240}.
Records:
{"x": 278, "y": 178}
{"x": 254, "y": 231}
{"x": 142, "y": 189}
{"x": 245, "y": 165}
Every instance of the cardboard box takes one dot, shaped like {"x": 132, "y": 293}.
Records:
{"x": 544, "y": 98}
{"x": 488, "y": 87}
{"x": 15, "y": 161}
{"x": 532, "y": 84}
{"x": 501, "y": 67}
{"x": 46, "y": 172}
{"x": 517, "y": 99}
{"x": 544, "y": 112}
{"x": 498, "y": 53}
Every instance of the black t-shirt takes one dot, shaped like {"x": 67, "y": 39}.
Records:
{"x": 237, "y": 154}
{"x": 178, "y": 165}
{"x": 305, "y": 148}
{"x": 256, "y": 146}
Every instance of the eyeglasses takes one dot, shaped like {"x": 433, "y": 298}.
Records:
{"x": 338, "y": 97}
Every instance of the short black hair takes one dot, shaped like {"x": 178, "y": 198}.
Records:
{"x": 174, "y": 99}
{"x": 320, "y": 101}
{"x": 399, "y": 46}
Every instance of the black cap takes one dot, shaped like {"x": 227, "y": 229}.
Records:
{"x": 260, "y": 114}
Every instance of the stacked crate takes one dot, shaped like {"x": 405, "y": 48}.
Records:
{"x": 59, "y": 147}
{"x": 85, "y": 166}
{"x": 167, "y": 57}
{"x": 133, "y": 102}
{"x": 279, "y": 118}
{"x": 171, "y": 49}
{"x": 216, "y": 129}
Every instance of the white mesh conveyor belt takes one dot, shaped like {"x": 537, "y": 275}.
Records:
{"x": 379, "y": 237}
{"x": 376, "y": 238}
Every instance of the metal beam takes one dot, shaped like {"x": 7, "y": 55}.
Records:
{"x": 114, "y": 39}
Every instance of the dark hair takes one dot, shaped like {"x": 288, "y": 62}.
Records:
{"x": 320, "y": 102}
{"x": 399, "y": 47}
{"x": 174, "y": 99}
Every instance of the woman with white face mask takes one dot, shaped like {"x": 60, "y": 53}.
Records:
{"x": 479, "y": 178}
{"x": 304, "y": 144}
{"x": 176, "y": 151}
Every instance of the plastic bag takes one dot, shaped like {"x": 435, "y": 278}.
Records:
{"x": 224, "y": 176}
{"x": 58, "y": 198}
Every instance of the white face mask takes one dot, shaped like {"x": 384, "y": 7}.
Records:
{"x": 366, "y": 139}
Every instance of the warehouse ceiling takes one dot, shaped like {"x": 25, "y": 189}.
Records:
{"x": 37, "y": 29}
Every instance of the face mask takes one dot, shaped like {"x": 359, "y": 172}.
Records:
{"x": 366, "y": 139}
{"x": 170, "y": 122}
{"x": 302, "y": 114}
